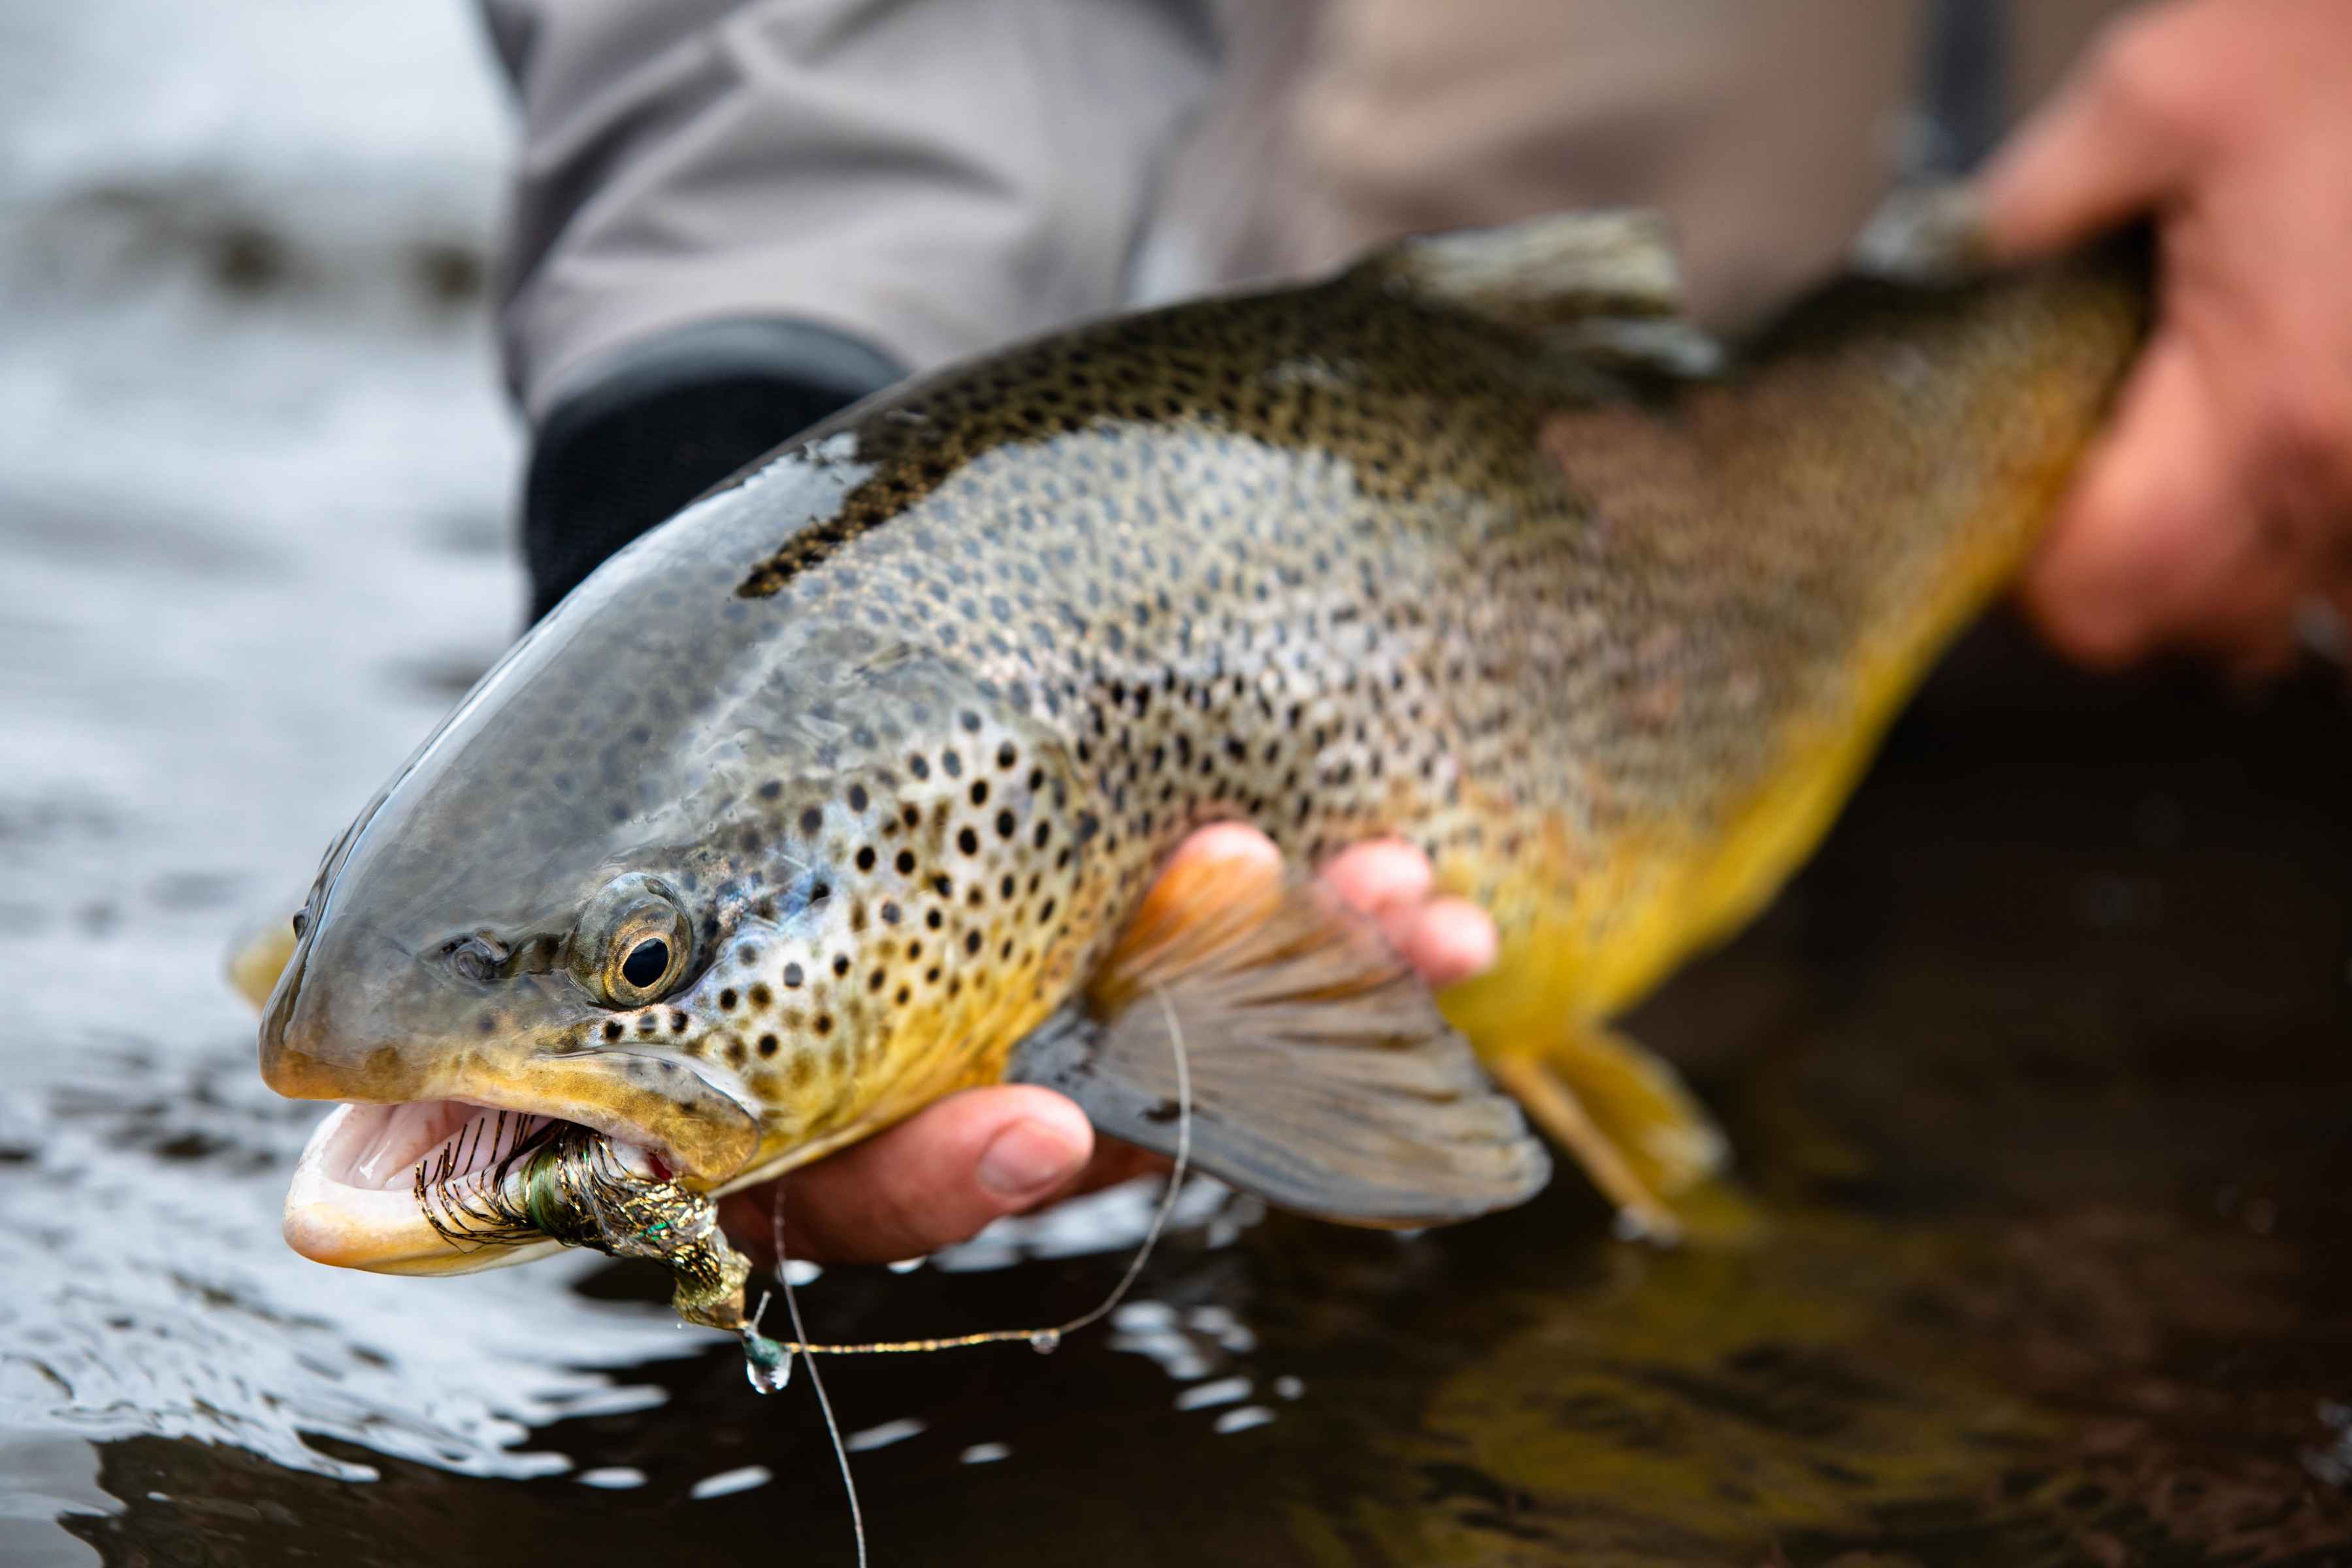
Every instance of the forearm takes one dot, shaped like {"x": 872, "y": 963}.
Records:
{"x": 731, "y": 220}
{"x": 928, "y": 176}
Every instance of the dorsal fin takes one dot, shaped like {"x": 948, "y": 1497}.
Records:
{"x": 1603, "y": 285}
{"x": 1545, "y": 272}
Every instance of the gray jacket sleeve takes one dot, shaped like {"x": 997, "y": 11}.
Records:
{"x": 928, "y": 177}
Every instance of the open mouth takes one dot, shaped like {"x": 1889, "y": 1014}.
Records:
{"x": 412, "y": 1188}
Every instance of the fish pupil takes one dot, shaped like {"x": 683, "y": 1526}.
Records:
{"x": 647, "y": 962}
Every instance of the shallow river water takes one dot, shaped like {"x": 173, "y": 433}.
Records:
{"x": 2038, "y": 1078}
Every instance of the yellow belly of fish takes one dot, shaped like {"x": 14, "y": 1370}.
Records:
{"x": 1597, "y": 927}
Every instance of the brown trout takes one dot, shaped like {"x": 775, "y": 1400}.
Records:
{"x": 842, "y": 789}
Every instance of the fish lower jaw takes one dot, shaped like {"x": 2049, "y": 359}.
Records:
{"x": 354, "y": 1202}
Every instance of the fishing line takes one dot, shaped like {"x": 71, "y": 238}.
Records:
{"x": 816, "y": 1379}
{"x": 1039, "y": 1340}
{"x": 769, "y": 1361}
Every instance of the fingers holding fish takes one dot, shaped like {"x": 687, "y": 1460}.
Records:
{"x": 1446, "y": 940}
{"x": 2221, "y": 497}
{"x": 946, "y": 1173}
{"x": 2148, "y": 534}
{"x": 2188, "y": 525}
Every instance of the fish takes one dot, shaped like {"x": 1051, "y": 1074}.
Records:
{"x": 856, "y": 783}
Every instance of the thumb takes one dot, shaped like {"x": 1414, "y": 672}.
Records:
{"x": 933, "y": 1180}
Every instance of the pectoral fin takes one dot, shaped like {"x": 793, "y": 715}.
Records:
{"x": 1321, "y": 1076}
{"x": 258, "y": 957}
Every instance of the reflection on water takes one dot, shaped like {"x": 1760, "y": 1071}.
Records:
{"x": 2037, "y": 1077}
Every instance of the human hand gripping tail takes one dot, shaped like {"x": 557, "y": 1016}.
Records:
{"x": 2220, "y": 501}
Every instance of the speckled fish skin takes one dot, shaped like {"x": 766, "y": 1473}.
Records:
{"x": 909, "y": 715}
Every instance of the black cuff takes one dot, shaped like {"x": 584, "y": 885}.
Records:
{"x": 665, "y": 420}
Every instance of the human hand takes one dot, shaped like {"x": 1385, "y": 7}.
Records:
{"x": 2221, "y": 497}
{"x": 944, "y": 1172}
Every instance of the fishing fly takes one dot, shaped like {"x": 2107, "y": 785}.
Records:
{"x": 539, "y": 1179}
{"x": 565, "y": 1183}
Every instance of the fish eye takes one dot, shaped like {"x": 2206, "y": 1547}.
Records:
{"x": 644, "y": 953}
{"x": 646, "y": 964}
{"x": 633, "y": 945}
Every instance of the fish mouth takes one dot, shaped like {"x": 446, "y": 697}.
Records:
{"x": 402, "y": 1188}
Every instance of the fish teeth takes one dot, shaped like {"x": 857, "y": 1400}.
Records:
{"x": 451, "y": 1138}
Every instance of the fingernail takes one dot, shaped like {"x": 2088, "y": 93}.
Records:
{"x": 1026, "y": 1159}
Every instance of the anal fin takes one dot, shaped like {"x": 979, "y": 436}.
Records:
{"x": 1322, "y": 1075}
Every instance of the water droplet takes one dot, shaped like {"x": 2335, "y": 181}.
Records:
{"x": 766, "y": 1364}
{"x": 1045, "y": 1341}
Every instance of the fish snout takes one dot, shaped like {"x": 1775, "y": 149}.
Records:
{"x": 383, "y": 1027}
{"x": 319, "y": 1041}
